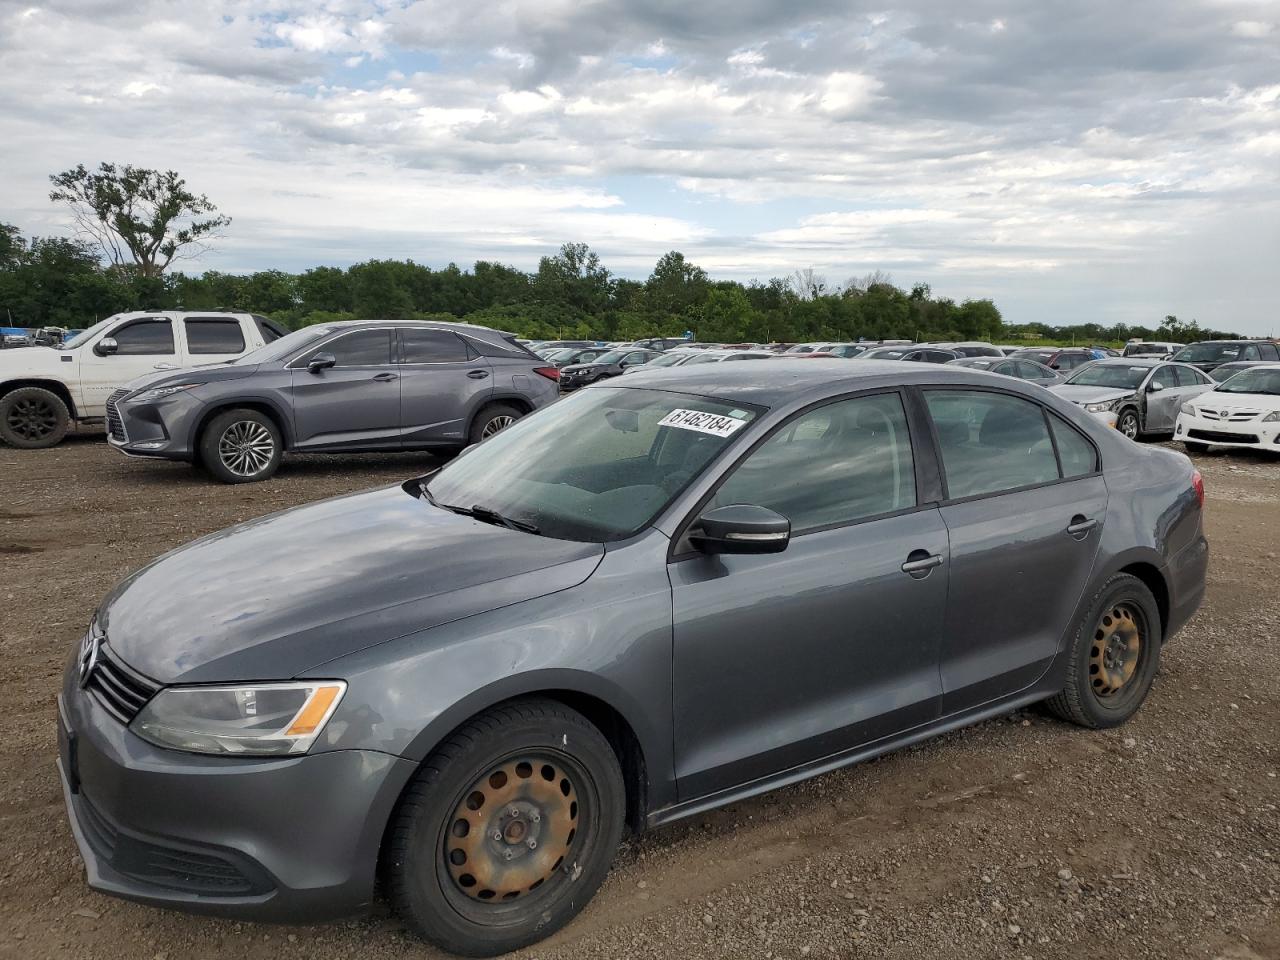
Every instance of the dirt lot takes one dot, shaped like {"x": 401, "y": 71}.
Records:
{"x": 1021, "y": 837}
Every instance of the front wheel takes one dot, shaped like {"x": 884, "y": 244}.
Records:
{"x": 1128, "y": 424}
{"x": 241, "y": 446}
{"x": 1114, "y": 656}
{"x": 507, "y": 830}
{"x": 32, "y": 418}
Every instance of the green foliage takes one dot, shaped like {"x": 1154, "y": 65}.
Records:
{"x": 571, "y": 295}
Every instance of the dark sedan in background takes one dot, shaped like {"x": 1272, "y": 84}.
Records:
{"x": 1061, "y": 359}
{"x": 1207, "y": 355}
{"x": 611, "y": 364}
{"x": 1012, "y": 367}
{"x": 911, "y": 354}
{"x": 658, "y": 596}
{"x": 337, "y": 387}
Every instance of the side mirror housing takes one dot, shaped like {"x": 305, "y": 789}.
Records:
{"x": 1155, "y": 388}
{"x": 741, "y": 528}
{"x": 106, "y": 347}
{"x": 321, "y": 361}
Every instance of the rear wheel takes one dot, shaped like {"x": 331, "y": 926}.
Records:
{"x": 32, "y": 418}
{"x": 1128, "y": 424}
{"x": 241, "y": 446}
{"x": 491, "y": 419}
{"x": 508, "y": 829}
{"x": 1114, "y": 656}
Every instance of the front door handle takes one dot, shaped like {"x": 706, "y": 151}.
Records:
{"x": 1080, "y": 526}
{"x": 920, "y": 562}
{"x": 478, "y": 374}
{"x": 386, "y": 377}
{"x": 164, "y": 366}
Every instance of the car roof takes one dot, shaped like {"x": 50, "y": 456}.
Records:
{"x": 1132, "y": 362}
{"x": 775, "y": 380}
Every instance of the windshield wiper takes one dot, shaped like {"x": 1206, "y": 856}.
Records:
{"x": 481, "y": 513}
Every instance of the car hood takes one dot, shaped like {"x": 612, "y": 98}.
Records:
{"x": 1214, "y": 400}
{"x": 1082, "y": 394}
{"x": 210, "y": 373}
{"x": 24, "y": 360}
{"x": 282, "y": 594}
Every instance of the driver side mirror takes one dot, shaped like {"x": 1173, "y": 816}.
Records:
{"x": 1155, "y": 387}
{"x": 106, "y": 347}
{"x": 321, "y": 361}
{"x": 741, "y": 528}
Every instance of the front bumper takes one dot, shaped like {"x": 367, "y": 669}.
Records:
{"x": 159, "y": 429}
{"x": 1251, "y": 434}
{"x": 279, "y": 839}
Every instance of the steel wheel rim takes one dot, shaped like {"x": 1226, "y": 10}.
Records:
{"x": 513, "y": 829}
{"x": 246, "y": 448}
{"x": 496, "y": 424}
{"x": 1116, "y": 651}
{"x": 32, "y": 419}
{"x": 1129, "y": 426}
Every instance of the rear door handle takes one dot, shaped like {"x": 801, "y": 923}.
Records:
{"x": 919, "y": 563}
{"x": 1080, "y": 526}
{"x": 386, "y": 377}
{"x": 478, "y": 374}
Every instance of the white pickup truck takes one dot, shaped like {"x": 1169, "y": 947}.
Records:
{"x": 45, "y": 390}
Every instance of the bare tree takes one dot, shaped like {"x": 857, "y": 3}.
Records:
{"x": 807, "y": 284}
{"x": 146, "y": 218}
{"x": 876, "y": 278}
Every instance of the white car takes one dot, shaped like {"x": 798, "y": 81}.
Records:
{"x": 44, "y": 391}
{"x": 1242, "y": 411}
{"x": 719, "y": 356}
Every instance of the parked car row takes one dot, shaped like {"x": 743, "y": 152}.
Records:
{"x": 665, "y": 593}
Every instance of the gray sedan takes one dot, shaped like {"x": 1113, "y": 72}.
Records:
{"x": 1139, "y": 395}
{"x": 663, "y": 594}
{"x": 1037, "y": 373}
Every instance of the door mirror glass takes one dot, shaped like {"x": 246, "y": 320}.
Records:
{"x": 1156, "y": 387}
{"x": 741, "y": 528}
{"x": 106, "y": 347}
{"x": 321, "y": 361}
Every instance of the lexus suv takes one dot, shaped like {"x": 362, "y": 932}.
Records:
{"x": 662, "y": 594}
{"x": 45, "y": 391}
{"x": 351, "y": 386}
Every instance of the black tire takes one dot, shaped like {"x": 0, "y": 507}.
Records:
{"x": 240, "y": 446}
{"x": 1087, "y": 699}
{"x": 32, "y": 418}
{"x": 495, "y": 417}
{"x": 1127, "y": 422}
{"x": 502, "y": 758}
{"x": 1195, "y": 447}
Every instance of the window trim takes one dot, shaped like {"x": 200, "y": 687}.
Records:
{"x": 198, "y": 318}
{"x": 677, "y": 555}
{"x": 947, "y": 500}
{"x": 138, "y": 321}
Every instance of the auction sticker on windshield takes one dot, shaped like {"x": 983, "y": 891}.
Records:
{"x": 713, "y": 423}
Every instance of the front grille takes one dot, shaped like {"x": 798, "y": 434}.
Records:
{"x": 120, "y": 689}
{"x": 1231, "y": 416}
{"x": 1220, "y": 436}
{"x": 166, "y": 866}
{"x": 115, "y": 423}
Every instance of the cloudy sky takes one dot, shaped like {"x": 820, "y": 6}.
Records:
{"x": 1113, "y": 160}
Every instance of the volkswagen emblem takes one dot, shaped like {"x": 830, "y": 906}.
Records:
{"x": 88, "y": 658}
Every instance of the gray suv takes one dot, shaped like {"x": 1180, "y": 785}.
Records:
{"x": 355, "y": 386}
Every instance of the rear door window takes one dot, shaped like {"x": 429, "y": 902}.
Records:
{"x": 432, "y": 346}
{"x": 990, "y": 442}
{"x": 213, "y": 335}
{"x": 1076, "y": 454}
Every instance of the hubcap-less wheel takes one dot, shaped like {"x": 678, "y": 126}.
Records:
{"x": 496, "y": 424}
{"x": 1117, "y": 648}
{"x": 246, "y": 448}
{"x": 1129, "y": 426}
{"x": 32, "y": 419}
{"x": 513, "y": 829}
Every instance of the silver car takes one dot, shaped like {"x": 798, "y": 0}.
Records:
{"x": 1141, "y": 394}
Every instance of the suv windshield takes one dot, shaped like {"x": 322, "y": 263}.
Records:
{"x": 1116, "y": 375}
{"x": 596, "y": 466}
{"x": 1252, "y": 381}
{"x": 286, "y": 346}
{"x": 84, "y": 335}
{"x": 1208, "y": 352}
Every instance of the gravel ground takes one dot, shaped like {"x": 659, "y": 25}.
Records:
{"x": 1021, "y": 837}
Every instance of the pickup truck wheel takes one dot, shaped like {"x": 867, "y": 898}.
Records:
{"x": 32, "y": 418}
{"x": 507, "y": 830}
{"x": 241, "y": 446}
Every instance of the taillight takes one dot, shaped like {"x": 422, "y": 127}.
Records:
{"x": 1197, "y": 484}
{"x": 551, "y": 373}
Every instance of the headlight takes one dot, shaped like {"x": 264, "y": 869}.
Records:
{"x": 1189, "y": 410}
{"x": 1104, "y": 407}
{"x": 255, "y": 719}
{"x": 1272, "y": 417}
{"x": 160, "y": 392}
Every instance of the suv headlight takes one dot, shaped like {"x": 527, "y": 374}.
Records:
{"x": 159, "y": 393}
{"x": 1189, "y": 410}
{"x": 1105, "y": 407}
{"x": 255, "y": 719}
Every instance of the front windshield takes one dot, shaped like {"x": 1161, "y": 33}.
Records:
{"x": 1117, "y": 375}
{"x": 560, "y": 353}
{"x": 598, "y": 465}
{"x": 1208, "y": 352}
{"x": 613, "y": 356}
{"x": 1266, "y": 382}
{"x": 667, "y": 360}
{"x": 883, "y": 354}
{"x": 704, "y": 358}
{"x": 286, "y": 346}
{"x": 84, "y": 335}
